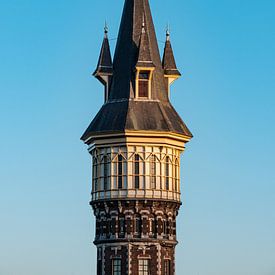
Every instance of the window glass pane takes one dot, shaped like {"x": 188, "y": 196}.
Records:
{"x": 153, "y": 169}
{"x": 116, "y": 267}
{"x": 95, "y": 173}
{"x": 143, "y": 86}
{"x": 176, "y": 175}
{"x": 143, "y": 267}
{"x": 138, "y": 225}
{"x": 105, "y": 161}
{"x": 167, "y": 173}
{"x": 120, "y": 163}
{"x": 122, "y": 225}
{"x": 136, "y": 170}
{"x": 167, "y": 267}
{"x": 144, "y": 75}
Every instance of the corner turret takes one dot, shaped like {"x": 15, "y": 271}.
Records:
{"x": 104, "y": 69}
{"x": 171, "y": 72}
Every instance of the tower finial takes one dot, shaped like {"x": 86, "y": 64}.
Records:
{"x": 106, "y": 29}
{"x": 168, "y": 32}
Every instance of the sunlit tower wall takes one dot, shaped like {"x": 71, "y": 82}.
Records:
{"x": 135, "y": 142}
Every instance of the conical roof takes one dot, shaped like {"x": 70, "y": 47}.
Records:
{"x": 122, "y": 112}
{"x": 105, "y": 64}
{"x": 168, "y": 60}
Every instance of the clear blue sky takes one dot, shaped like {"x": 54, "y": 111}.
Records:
{"x": 226, "y": 52}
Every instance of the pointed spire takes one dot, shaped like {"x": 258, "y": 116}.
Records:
{"x": 168, "y": 61}
{"x": 137, "y": 41}
{"x": 144, "y": 54}
{"x": 105, "y": 64}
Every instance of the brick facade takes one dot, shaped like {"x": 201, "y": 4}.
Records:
{"x": 135, "y": 230}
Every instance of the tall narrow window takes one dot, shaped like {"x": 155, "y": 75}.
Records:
{"x": 167, "y": 267}
{"x": 143, "y": 84}
{"x": 153, "y": 176}
{"x": 108, "y": 227}
{"x": 144, "y": 267}
{"x": 176, "y": 175}
{"x": 113, "y": 226}
{"x": 116, "y": 266}
{"x": 120, "y": 164}
{"x": 105, "y": 163}
{"x": 136, "y": 170}
{"x": 154, "y": 226}
{"x": 167, "y": 228}
{"x": 167, "y": 166}
{"x": 138, "y": 226}
{"x": 122, "y": 226}
{"x": 99, "y": 260}
{"x": 95, "y": 173}
{"x": 164, "y": 227}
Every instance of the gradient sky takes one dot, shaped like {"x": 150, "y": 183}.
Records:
{"x": 226, "y": 52}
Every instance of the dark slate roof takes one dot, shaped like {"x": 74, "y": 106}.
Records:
{"x": 122, "y": 111}
{"x": 115, "y": 117}
{"x": 105, "y": 64}
{"x": 168, "y": 60}
{"x": 144, "y": 53}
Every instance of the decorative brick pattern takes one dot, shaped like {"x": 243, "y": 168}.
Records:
{"x": 135, "y": 230}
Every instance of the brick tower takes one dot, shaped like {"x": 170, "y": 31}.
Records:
{"x": 135, "y": 142}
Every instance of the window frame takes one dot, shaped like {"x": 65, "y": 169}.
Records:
{"x": 167, "y": 267}
{"x": 116, "y": 266}
{"x": 105, "y": 172}
{"x": 144, "y": 266}
{"x": 120, "y": 161}
{"x": 167, "y": 173}
{"x": 96, "y": 174}
{"x": 176, "y": 175}
{"x": 136, "y": 171}
{"x": 153, "y": 171}
{"x": 148, "y": 80}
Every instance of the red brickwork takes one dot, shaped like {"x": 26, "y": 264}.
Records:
{"x": 135, "y": 230}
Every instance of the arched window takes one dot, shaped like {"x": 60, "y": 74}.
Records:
{"x": 143, "y": 84}
{"x": 137, "y": 170}
{"x": 119, "y": 172}
{"x": 153, "y": 172}
{"x": 167, "y": 172}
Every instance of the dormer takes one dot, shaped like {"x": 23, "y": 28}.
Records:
{"x": 144, "y": 67}
{"x": 171, "y": 73}
{"x": 104, "y": 69}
